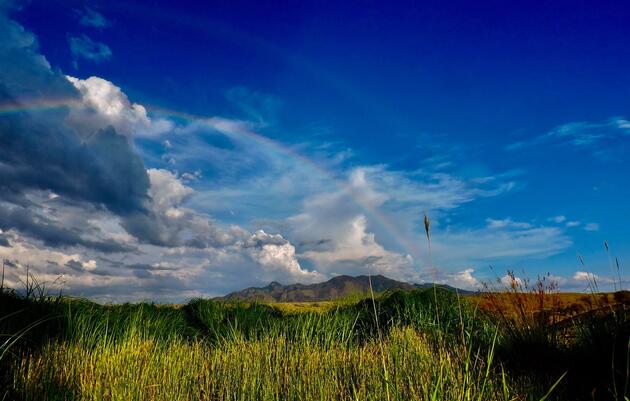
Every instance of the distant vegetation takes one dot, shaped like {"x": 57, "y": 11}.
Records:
{"x": 418, "y": 344}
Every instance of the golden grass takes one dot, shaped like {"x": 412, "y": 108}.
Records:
{"x": 299, "y": 307}
{"x": 268, "y": 369}
{"x": 563, "y": 304}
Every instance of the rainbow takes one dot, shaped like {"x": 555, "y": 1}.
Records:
{"x": 245, "y": 39}
{"x": 240, "y": 131}
{"x": 33, "y": 105}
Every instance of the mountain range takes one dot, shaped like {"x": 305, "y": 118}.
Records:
{"x": 336, "y": 288}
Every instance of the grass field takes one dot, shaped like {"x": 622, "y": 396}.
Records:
{"x": 421, "y": 345}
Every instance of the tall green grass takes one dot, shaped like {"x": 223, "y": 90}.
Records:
{"x": 274, "y": 368}
{"x": 207, "y": 350}
{"x": 284, "y": 364}
{"x": 424, "y": 344}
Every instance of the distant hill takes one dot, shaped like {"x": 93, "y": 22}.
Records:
{"x": 335, "y": 288}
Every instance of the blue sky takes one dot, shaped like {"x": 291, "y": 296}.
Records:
{"x": 219, "y": 145}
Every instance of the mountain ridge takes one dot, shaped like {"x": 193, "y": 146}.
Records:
{"x": 336, "y": 288}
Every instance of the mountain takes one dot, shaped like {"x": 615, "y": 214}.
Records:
{"x": 335, "y": 288}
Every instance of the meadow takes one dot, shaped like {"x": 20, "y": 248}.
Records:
{"x": 431, "y": 344}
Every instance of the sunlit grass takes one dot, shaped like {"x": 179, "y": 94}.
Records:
{"x": 208, "y": 350}
{"x": 299, "y": 307}
{"x": 418, "y": 345}
{"x": 267, "y": 369}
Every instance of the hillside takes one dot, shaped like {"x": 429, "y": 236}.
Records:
{"x": 335, "y": 288}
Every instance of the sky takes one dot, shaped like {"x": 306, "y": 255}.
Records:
{"x": 163, "y": 150}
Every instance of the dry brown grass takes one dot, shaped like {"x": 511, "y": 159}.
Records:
{"x": 562, "y": 304}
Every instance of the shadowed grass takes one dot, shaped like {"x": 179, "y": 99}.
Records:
{"x": 542, "y": 338}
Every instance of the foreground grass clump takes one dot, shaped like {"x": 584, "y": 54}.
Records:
{"x": 266, "y": 369}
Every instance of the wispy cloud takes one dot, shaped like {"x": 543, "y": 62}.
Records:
{"x": 82, "y": 47}
{"x": 591, "y": 227}
{"x": 581, "y": 135}
{"x": 564, "y": 221}
{"x": 506, "y": 223}
{"x": 91, "y": 18}
{"x": 498, "y": 240}
{"x": 254, "y": 105}
{"x": 558, "y": 219}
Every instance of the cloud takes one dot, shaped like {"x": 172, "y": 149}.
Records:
{"x": 48, "y": 261}
{"x": 464, "y": 279}
{"x": 43, "y": 154}
{"x": 558, "y": 219}
{"x": 364, "y": 220}
{"x": 510, "y": 281}
{"x": 597, "y": 135}
{"x": 167, "y": 191}
{"x": 335, "y": 231}
{"x": 108, "y": 105}
{"x": 453, "y": 246}
{"x": 28, "y": 221}
{"x": 104, "y": 104}
{"x": 176, "y": 225}
{"x": 84, "y": 161}
{"x": 275, "y": 253}
{"x": 77, "y": 265}
{"x": 367, "y": 225}
{"x": 585, "y": 276}
{"x": 585, "y": 133}
{"x": 428, "y": 190}
{"x": 221, "y": 260}
{"x": 354, "y": 250}
{"x": 580, "y": 279}
{"x": 591, "y": 227}
{"x": 82, "y": 47}
{"x": 338, "y": 226}
{"x": 41, "y": 151}
{"x": 91, "y": 18}
{"x": 506, "y": 223}
{"x": 24, "y": 73}
{"x": 563, "y": 220}
{"x": 256, "y": 106}
{"x": 193, "y": 233}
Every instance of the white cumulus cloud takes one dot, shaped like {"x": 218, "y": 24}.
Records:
{"x": 105, "y": 104}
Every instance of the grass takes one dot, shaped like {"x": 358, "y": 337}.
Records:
{"x": 299, "y": 307}
{"x": 273, "y": 368}
{"x": 419, "y": 345}
{"x": 544, "y": 333}
{"x": 217, "y": 351}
